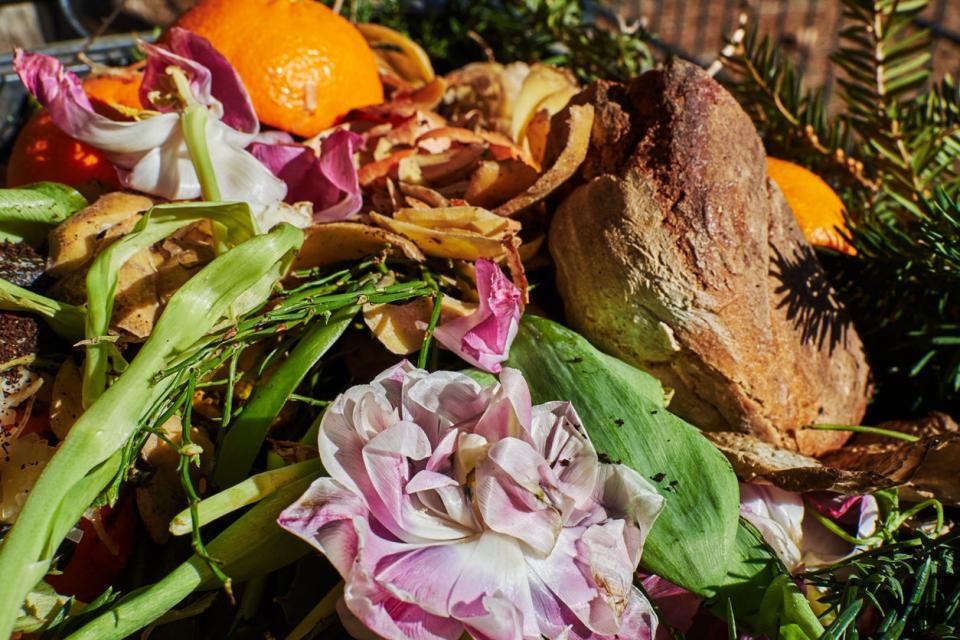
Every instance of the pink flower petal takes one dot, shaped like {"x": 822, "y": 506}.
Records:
{"x": 492, "y": 618}
{"x": 61, "y": 93}
{"x": 512, "y": 496}
{"x": 677, "y": 605}
{"x": 778, "y": 516}
{"x": 329, "y": 181}
{"x": 483, "y": 338}
{"x": 211, "y": 77}
{"x": 323, "y": 517}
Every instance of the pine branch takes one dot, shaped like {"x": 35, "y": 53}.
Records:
{"x": 792, "y": 120}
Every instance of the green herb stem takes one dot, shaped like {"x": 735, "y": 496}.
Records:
{"x": 246, "y": 435}
{"x": 876, "y": 431}
{"x": 253, "y": 489}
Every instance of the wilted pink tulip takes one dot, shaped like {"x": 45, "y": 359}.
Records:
{"x": 454, "y": 508}
{"x": 328, "y": 181}
{"x": 483, "y": 338}
{"x": 795, "y": 535}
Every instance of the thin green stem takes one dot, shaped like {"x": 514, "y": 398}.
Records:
{"x": 876, "y": 431}
{"x": 428, "y": 334}
{"x": 836, "y": 530}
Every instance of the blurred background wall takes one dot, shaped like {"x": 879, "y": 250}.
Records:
{"x": 694, "y": 29}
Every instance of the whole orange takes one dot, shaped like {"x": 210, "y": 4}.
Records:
{"x": 818, "y": 209}
{"x": 304, "y": 65}
{"x": 43, "y": 152}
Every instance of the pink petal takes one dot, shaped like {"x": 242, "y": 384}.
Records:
{"x": 624, "y": 493}
{"x": 492, "y": 618}
{"x": 381, "y": 608}
{"x": 509, "y": 410}
{"x": 61, "y": 93}
{"x": 778, "y": 516}
{"x": 511, "y": 495}
{"x": 677, "y": 605}
{"x": 483, "y": 338}
{"x": 329, "y": 181}
{"x": 323, "y": 517}
{"x": 495, "y": 568}
{"x": 562, "y": 441}
{"x": 210, "y": 75}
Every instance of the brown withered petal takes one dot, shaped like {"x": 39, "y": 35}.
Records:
{"x": 327, "y": 244}
{"x": 578, "y": 120}
{"x": 753, "y": 459}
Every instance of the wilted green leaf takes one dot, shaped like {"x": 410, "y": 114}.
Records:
{"x": 624, "y": 411}
{"x": 28, "y": 212}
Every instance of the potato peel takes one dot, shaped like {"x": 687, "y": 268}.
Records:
{"x": 579, "y": 124}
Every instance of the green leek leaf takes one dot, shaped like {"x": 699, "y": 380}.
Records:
{"x": 624, "y": 412}
{"x": 27, "y": 213}
{"x": 158, "y": 223}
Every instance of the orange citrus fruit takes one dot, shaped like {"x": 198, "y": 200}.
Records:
{"x": 117, "y": 87}
{"x": 304, "y": 65}
{"x": 818, "y": 210}
{"x": 43, "y": 152}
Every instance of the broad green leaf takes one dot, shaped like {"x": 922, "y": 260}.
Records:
{"x": 66, "y": 319}
{"x": 27, "y": 213}
{"x": 81, "y": 467}
{"x": 624, "y": 412}
{"x": 159, "y": 222}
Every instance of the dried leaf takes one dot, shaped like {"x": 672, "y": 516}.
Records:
{"x": 397, "y": 54}
{"x": 463, "y": 233}
{"x": 753, "y": 459}
{"x": 440, "y": 168}
{"x": 65, "y": 405}
{"x": 425, "y": 194}
{"x": 929, "y": 465}
{"x": 334, "y": 242}
{"x": 579, "y": 122}
{"x": 161, "y": 497}
{"x": 540, "y": 84}
{"x": 493, "y": 183}
{"x": 380, "y": 169}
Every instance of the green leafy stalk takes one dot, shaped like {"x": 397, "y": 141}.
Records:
{"x": 249, "y": 491}
{"x": 66, "y": 319}
{"x": 244, "y": 437}
{"x": 102, "y": 431}
{"x": 252, "y": 546}
{"x": 161, "y": 221}
{"x": 27, "y": 213}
